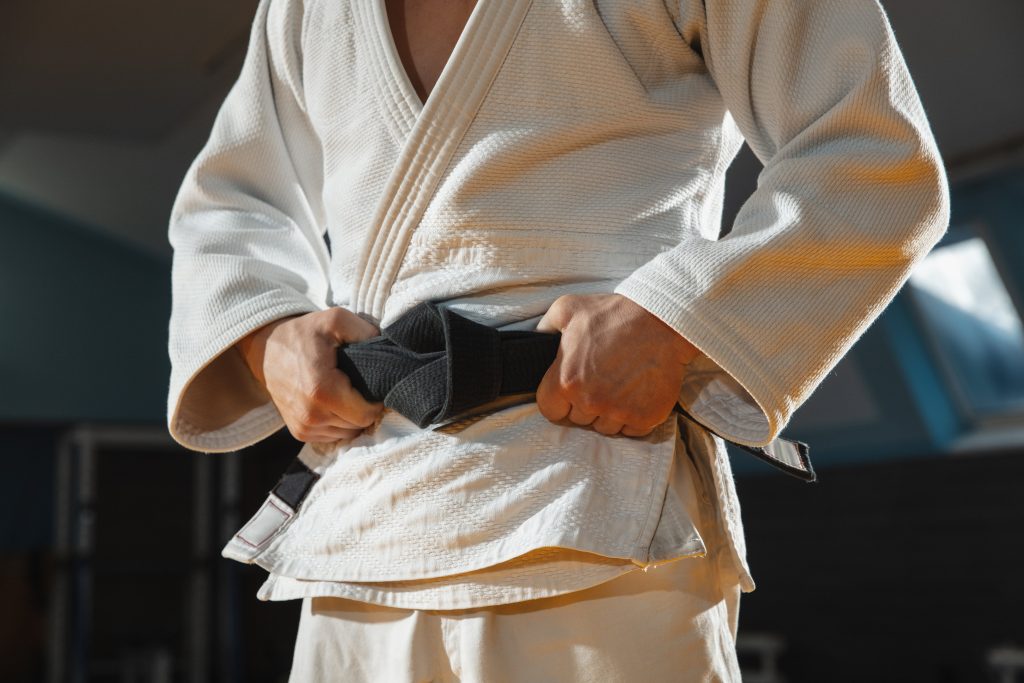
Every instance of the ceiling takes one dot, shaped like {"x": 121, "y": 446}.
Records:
{"x": 106, "y": 103}
{"x": 115, "y": 69}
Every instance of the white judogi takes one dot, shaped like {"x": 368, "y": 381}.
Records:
{"x": 675, "y": 623}
{"x": 569, "y": 146}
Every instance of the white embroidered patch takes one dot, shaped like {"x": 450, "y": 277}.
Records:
{"x": 265, "y": 523}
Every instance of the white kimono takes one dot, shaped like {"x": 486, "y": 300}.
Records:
{"x": 569, "y": 146}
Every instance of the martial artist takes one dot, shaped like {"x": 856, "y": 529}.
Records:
{"x": 555, "y": 165}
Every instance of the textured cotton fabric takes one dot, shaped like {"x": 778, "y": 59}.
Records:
{"x": 541, "y": 573}
{"x": 569, "y": 146}
{"x": 668, "y": 625}
{"x": 671, "y": 624}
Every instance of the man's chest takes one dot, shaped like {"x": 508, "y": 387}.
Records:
{"x": 425, "y": 33}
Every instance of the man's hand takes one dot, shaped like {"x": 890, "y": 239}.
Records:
{"x": 618, "y": 367}
{"x": 295, "y": 359}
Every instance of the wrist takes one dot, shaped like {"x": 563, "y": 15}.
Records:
{"x": 685, "y": 351}
{"x": 253, "y": 347}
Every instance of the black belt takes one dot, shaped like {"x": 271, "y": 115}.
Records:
{"x": 434, "y": 366}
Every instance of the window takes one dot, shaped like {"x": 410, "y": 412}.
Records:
{"x": 973, "y": 326}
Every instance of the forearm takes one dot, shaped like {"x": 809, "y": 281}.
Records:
{"x": 253, "y": 347}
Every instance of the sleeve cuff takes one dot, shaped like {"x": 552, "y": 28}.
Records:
{"x": 215, "y": 404}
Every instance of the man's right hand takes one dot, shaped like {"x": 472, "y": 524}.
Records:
{"x": 295, "y": 359}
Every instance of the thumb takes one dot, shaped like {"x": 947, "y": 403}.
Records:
{"x": 554, "y": 319}
{"x": 547, "y": 324}
{"x": 347, "y": 326}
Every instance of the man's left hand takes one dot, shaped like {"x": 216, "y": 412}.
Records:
{"x": 618, "y": 368}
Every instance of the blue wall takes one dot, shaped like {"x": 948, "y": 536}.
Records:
{"x": 83, "y": 320}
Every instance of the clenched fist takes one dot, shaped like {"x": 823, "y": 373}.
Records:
{"x": 618, "y": 368}
{"x": 295, "y": 359}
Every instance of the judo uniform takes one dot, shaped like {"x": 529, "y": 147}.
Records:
{"x": 569, "y": 146}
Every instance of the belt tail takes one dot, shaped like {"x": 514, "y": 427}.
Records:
{"x": 789, "y": 455}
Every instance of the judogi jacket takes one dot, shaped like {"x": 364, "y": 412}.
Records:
{"x": 569, "y": 146}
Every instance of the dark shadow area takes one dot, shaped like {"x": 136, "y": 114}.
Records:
{"x": 900, "y": 571}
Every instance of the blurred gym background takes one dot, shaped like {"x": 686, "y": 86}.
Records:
{"x": 902, "y": 564}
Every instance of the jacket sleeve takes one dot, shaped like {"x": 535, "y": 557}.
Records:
{"x": 852, "y": 196}
{"x": 247, "y": 232}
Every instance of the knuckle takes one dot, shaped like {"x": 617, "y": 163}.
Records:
{"x": 644, "y": 421}
{"x": 548, "y": 410}
{"x": 639, "y": 417}
{"x": 589, "y": 403}
{"x": 354, "y": 326}
{"x": 543, "y": 408}
{"x": 336, "y": 320}
{"x": 632, "y": 418}
{"x": 563, "y": 305}
{"x": 319, "y": 393}
{"x": 367, "y": 417}
{"x": 573, "y": 385}
{"x": 546, "y": 393}
{"x": 616, "y": 415}
{"x": 337, "y": 314}
{"x": 643, "y": 428}
{"x": 308, "y": 417}
{"x": 599, "y": 404}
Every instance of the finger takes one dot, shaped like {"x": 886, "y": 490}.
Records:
{"x": 310, "y": 413}
{"x": 636, "y": 431}
{"x": 323, "y": 433}
{"x": 607, "y": 426}
{"x": 346, "y": 326}
{"x": 581, "y": 417}
{"x": 557, "y": 315}
{"x": 550, "y": 402}
{"x": 316, "y": 415}
{"x": 547, "y": 323}
{"x": 337, "y": 396}
{"x": 339, "y": 422}
{"x": 555, "y": 409}
{"x": 328, "y": 433}
{"x": 309, "y": 418}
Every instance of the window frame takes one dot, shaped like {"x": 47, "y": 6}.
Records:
{"x": 975, "y": 420}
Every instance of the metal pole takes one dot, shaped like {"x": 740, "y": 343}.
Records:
{"x": 230, "y": 628}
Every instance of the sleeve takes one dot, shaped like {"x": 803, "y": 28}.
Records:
{"x": 853, "y": 194}
{"x": 247, "y": 230}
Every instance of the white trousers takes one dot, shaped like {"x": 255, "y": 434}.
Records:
{"x": 675, "y": 623}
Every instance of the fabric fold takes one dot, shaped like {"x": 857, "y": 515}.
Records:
{"x": 247, "y": 230}
{"x": 852, "y": 196}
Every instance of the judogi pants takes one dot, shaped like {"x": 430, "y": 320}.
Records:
{"x": 674, "y": 623}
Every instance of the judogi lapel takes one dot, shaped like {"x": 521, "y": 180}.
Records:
{"x": 432, "y": 132}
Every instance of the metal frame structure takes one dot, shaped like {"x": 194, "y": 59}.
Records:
{"x": 216, "y": 489}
